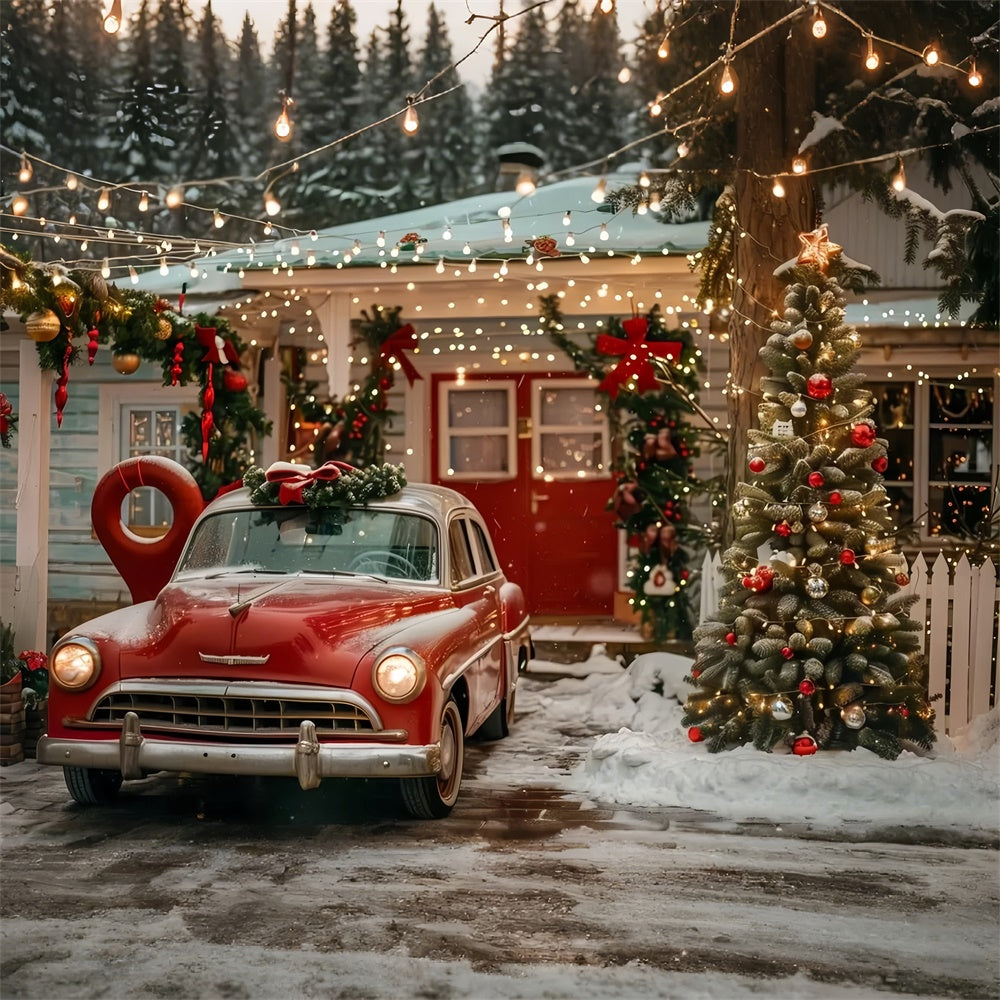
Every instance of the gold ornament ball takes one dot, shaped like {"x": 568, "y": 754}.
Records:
{"x": 805, "y": 627}
{"x": 125, "y": 362}
{"x": 802, "y": 339}
{"x": 43, "y": 326}
{"x": 163, "y": 329}
{"x": 870, "y": 595}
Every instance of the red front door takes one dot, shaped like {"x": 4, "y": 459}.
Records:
{"x": 532, "y": 453}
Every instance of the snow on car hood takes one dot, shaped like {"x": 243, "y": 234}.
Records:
{"x": 298, "y": 628}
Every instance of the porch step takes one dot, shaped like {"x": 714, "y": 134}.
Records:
{"x": 571, "y": 640}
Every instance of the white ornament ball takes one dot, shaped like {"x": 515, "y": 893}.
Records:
{"x": 854, "y": 716}
{"x": 817, "y": 512}
{"x": 781, "y": 710}
{"x": 799, "y": 408}
{"x": 817, "y": 587}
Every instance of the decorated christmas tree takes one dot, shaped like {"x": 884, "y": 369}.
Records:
{"x": 812, "y": 644}
{"x": 650, "y": 377}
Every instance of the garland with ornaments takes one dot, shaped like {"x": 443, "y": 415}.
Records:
{"x": 69, "y": 313}
{"x": 811, "y": 646}
{"x": 650, "y": 377}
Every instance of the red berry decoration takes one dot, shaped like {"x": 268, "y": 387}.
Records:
{"x": 731, "y": 638}
{"x": 902, "y": 579}
{"x": 819, "y": 386}
{"x": 694, "y": 735}
{"x": 760, "y": 580}
{"x": 834, "y": 499}
{"x": 815, "y": 480}
{"x": 847, "y": 557}
{"x": 904, "y": 712}
{"x": 880, "y": 464}
{"x": 748, "y": 582}
{"x": 757, "y": 465}
{"x": 787, "y": 652}
{"x": 862, "y": 435}
{"x": 784, "y": 529}
{"x": 696, "y": 673}
{"x": 807, "y": 687}
{"x": 803, "y": 746}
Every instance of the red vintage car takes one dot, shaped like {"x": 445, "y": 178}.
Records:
{"x": 301, "y": 637}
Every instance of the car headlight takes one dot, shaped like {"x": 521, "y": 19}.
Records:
{"x": 399, "y": 675}
{"x": 75, "y": 664}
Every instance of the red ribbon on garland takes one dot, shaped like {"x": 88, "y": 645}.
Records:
{"x": 637, "y": 353}
{"x": 217, "y": 351}
{"x": 404, "y": 339}
{"x": 292, "y": 479}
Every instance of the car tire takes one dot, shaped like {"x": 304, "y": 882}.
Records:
{"x": 497, "y": 726}
{"x": 433, "y": 797}
{"x": 91, "y": 786}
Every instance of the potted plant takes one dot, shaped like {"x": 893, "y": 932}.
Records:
{"x": 11, "y": 703}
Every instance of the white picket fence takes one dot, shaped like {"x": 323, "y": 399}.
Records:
{"x": 960, "y": 610}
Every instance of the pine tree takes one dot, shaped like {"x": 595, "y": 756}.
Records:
{"x": 251, "y": 128}
{"x": 446, "y": 123}
{"x": 23, "y": 62}
{"x": 812, "y": 645}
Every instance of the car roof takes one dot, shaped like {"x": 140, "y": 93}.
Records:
{"x": 417, "y": 498}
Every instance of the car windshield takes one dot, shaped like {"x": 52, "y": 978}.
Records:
{"x": 276, "y": 540}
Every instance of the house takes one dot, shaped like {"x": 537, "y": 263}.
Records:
{"x": 495, "y": 409}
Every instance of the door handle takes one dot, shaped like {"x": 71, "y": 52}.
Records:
{"x": 535, "y": 497}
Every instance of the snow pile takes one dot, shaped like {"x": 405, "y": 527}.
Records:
{"x": 646, "y": 759}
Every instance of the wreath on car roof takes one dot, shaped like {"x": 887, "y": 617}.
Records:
{"x": 335, "y": 484}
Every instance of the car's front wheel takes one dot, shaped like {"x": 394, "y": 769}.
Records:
{"x": 433, "y": 797}
{"x": 91, "y": 786}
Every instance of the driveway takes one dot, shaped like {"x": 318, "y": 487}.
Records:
{"x": 198, "y": 888}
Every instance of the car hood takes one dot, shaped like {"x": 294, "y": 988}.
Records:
{"x": 298, "y": 628}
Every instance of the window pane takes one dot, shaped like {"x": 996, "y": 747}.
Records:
{"x": 480, "y": 454}
{"x": 573, "y": 407}
{"x": 150, "y": 431}
{"x": 472, "y": 408}
{"x": 461, "y": 557}
{"x": 569, "y": 453}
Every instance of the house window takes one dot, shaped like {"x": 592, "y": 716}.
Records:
{"x": 144, "y": 419}
{"x": 942, "y": 436}
{"x": 479, "y": 441}
{"x": 570, "y": 440}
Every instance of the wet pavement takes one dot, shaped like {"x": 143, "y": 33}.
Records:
{"x": 525, "y": 877}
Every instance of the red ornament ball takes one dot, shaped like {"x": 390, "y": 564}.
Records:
{"x": 234, "y": 381}
{"x": 803, "y": 746}
{"x": 835, "y": 499}
{"x": 731, "y": 638}
{"x": 757, "y": 465}
{"x": 696, "y": 673}
{"x": 787, "y": 652}
{"x": 904, "y": 712}
{"x": 847, "y": 557}
{"x": 695, "y": 735}
{"x": 784, "y": 529}
{"x": 816, "y": 480}
{"x": 862, "y": 435}
{"x": 880, "y": 464}
{"x": 819, "y": 386}
{"x": 807, "y": 687}
{"x": 902, "y": 579}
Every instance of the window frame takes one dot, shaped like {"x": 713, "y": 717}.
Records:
{"x": 600, "y": 427}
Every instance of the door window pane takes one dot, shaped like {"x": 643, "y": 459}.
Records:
{"x": 570, "y": 438}
{"x": 479, "y": 438}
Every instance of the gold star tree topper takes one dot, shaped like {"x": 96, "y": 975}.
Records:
{"x": 817, "y": 249}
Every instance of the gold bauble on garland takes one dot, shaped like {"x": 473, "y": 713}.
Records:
{"x": 163, "y": 329}
{"x": 43, "y": 326}
{"x": 125, "y": 362}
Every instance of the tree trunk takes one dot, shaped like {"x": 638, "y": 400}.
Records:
{"x": 776, "y": 97}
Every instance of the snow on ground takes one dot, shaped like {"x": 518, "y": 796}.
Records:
{"x": 646, "y": 759}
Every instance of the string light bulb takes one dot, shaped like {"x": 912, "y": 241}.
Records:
{"x": 931, "y": 56}
{"x": 133, "y": 275}
{"x": 411, "y": 123}
{"x": 899, "y": 178}
{"x": 19, "y": 204}
{"x": 656, "y": 108}
{"x": 144, "y": 202}
{"x": 872, "y": 59}
{"x": 217, "y": 219}
{"x": 663, "y": 52}
{"x": 283, "y": 123}
{"x": 727, "y": 85}
{"x": 113, "y": 18}
{"x": 975, "y": 78}
{"x": 24, "y": 174}
{"x": 174, "y": 196}
{"x": 818, "y": 25}
{"x": 525, "y": 185}
{"x": 164, "y": 270}
{"x": 799, "y": 165}
{"x": 600, "y": 191}
{"x": 71, "y": 182}
{"x": 271, "y": 204}
{"x": 778, "y": 190}
{"x": 103, "y": 200}
{"x": 105, "y": 268}
{"x": 606, "y": 6}
{"x": 604, "y": 231}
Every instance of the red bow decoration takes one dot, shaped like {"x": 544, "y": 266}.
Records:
{"x": 404, "y": 339}
{"x": 638, "y": 353}
{"x": 293, "y": 479}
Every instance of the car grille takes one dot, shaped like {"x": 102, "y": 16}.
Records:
{"x": 237, "y": 715}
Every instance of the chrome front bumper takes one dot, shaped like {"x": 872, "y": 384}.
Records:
{"x": 135, "y": 755}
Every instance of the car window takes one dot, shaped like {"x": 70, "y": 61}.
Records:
{"x": 462, "y": 564}
{"x": 376, "y": 542}
{"x": 483, "y": 548}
